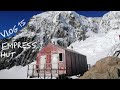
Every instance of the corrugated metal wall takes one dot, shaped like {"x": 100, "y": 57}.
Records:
{"x": 75, "y": 63}
{"x": 68, "y": 63}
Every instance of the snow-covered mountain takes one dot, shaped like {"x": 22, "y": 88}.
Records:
{"x": 110, "y": 21}
{"x": 59, "y": 27}
{"x": 105, "y": 42}
{"x": 88, "y": 35}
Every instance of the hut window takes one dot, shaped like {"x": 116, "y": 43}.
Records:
{"x": 60, "y": 57}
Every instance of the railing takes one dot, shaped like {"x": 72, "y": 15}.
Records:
{"x": 46, "y": 70}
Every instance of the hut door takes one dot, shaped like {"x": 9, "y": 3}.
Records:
{"x": 55, "y": 61}
{"x": 42, "y": 61}
{"x": 48, "y": 60}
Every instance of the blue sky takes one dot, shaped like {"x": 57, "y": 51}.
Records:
{"x": 92, "y": 13}
{"x": 10, "y": 18}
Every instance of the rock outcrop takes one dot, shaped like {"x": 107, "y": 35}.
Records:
{"x": 106, "y": 68}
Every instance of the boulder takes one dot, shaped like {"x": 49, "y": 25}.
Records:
{"x": 106, "y": 68}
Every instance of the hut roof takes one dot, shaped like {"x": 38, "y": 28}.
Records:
{"x": 65, "y": 48}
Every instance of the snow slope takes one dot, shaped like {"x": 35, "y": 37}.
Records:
{"x": 17, "y": 72}
{"x": 97, "y": 46}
